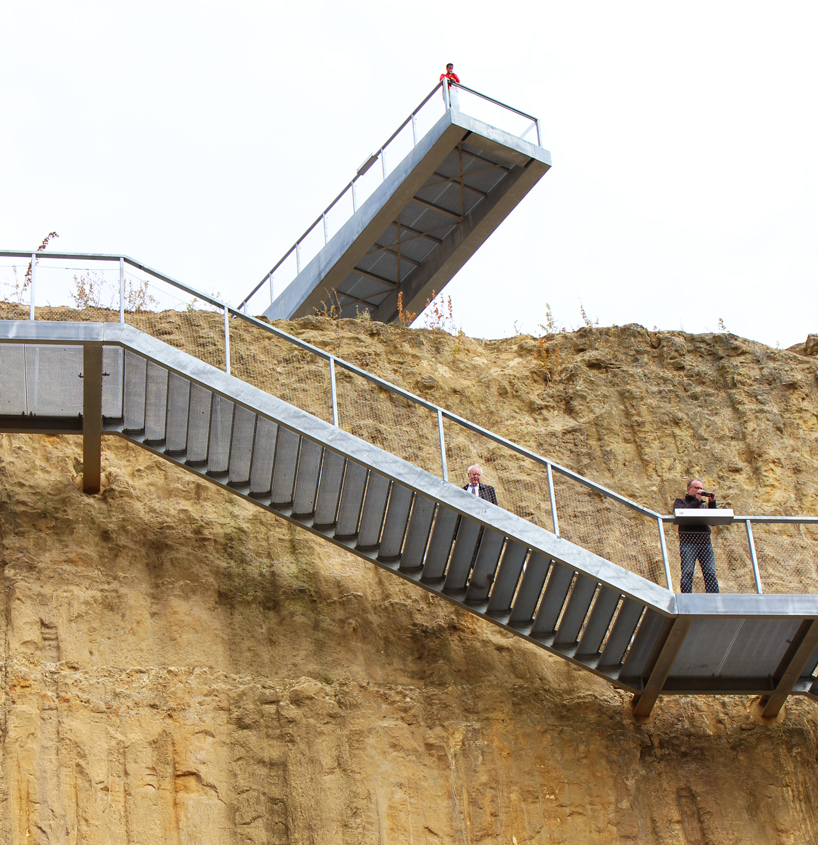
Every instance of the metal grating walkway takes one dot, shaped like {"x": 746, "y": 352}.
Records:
{"x": 99, "y": 378}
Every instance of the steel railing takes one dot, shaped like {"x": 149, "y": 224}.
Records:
{"x": 398, "y": 145}
{"x": 769, "y": 555}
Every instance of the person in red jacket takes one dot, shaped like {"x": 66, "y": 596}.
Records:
{"x": 450, "y": 76}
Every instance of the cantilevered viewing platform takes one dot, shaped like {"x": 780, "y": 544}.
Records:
{"x": 414, "y": 213}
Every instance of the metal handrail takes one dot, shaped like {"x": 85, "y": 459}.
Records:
{"x": 352, "y": 368}
{"x": 491, "y": 100}
{"x": 350, "y": 185}
{"x": 441, "y": 413}
{"x": 388, "y": 386}
{"x": 93, "y": 256}
{"x": 783, "y": 520}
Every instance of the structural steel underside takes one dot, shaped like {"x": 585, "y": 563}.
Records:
{"x": 421, "y": 225}
{"x": 94, "y": 378}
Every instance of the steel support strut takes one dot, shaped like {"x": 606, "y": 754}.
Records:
{"x": 91, "y": 417}
{"x": 792, "y": 665}
{"x": 664, "y": 656}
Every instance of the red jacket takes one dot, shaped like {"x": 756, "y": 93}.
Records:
{"x": 452, "y": 77}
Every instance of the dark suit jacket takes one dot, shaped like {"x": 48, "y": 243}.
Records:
{"x": 485, "y": 491}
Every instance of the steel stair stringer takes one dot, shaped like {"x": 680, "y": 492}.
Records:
{"x": 547, "y": 555}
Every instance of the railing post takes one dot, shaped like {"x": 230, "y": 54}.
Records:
{"x": 414, "y": 130}
{"x": 298, "y": 258}
{"x": 271, "y": 293}
{"x": 753, "y": 557}
{"x": 354, "y": 198}
{"x": 663, "y": 546}
{"x": 333, "y": 392}
{"x": 326, "y": 229}
{"x": 446, "y": 99}
{"x": 226, "y": 341}
{"x": 121, "y": 290}
{"x": 383, "y": 163}
{"x": 539, "y": 134}
{"x": 444, "y": 468}
{"x": 31, "y": 286}
{"x": 552, "y": 499}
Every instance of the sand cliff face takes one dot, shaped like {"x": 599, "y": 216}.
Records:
{"x": 181, "y": 667}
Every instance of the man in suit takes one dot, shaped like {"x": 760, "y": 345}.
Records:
{"x": 484, "y": 491}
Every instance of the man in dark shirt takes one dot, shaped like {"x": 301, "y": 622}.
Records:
{"x": 694, "y": 540}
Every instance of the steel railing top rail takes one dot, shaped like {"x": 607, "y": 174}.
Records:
{"x": 370, "y": 161}
{"x": 487, "y": 98}
{"x": 230, "y": 311}
{"x": 92, "y": 256}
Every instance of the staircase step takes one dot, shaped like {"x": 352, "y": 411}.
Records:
{"x": 463, "y": 555}
{"x": 440, "y": 544}
{"x": 397, "y": 518}
{"x": 198, "y": 427}
{"x": 156, "y": 403}
{"x": 417, "y": 534}
{"x": 264, "y": 448}
{"x": 582, "y": 595}
{"x": 329, "y": 488}
{"x": 485, "y": 567}
{"x": 306, "y": 482}
{"x": 525, "y": 602}
{"x": 352, "y": 499}
{"x": 505, "y": 583}
{"x": 374, "y": 510}
{"x": 599, "y": 622}
{"x": 286, "y": 461}
{"x": 177, "y": 414}
{"x": 134, "y": 392}
{"x": 221, "y": 427}
{"x": 242, "y": 442}
{"x": 647, "y": 635}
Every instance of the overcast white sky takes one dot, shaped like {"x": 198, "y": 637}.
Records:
{"x": 201, "y": 138}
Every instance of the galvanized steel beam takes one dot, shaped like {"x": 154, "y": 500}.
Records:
{"x": 665, "y": 653}
{"x": 789, "y": 671}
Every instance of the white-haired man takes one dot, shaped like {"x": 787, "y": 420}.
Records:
{"x": 484, "y": 491}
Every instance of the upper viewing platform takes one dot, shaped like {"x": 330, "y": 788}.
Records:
{"x": 414, "y": 213}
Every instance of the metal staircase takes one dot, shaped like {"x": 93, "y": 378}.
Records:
{"x": 413, "y": 214}
{"x": 110, "y": 378}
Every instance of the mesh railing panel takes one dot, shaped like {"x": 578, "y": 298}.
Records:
{"x": 429, "y": 114}
{"x": 716, "y": 562}
{"x": 520, "y": 483}
{"x": 14, "y": 291}
{"x": 296, "y": 375}
{"x": 734, "y": 565}
{"x": 180, "y": 320}
{"x": 787, "y": 557}
{"x": 76, "y": 293}
{"x": 339, "y": 213}
{"x": 609, "y": 529}
{"x": 493, "y": 113}
{"x": 387, "y": 420}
